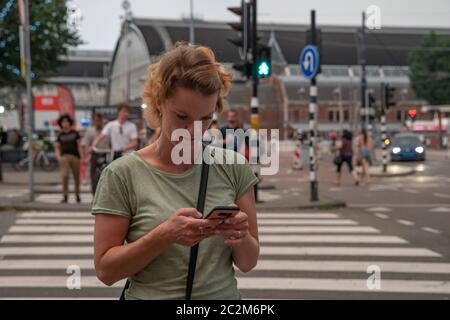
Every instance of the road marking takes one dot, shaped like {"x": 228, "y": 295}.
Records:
{"x": 51, "y": 229}
{"x": 428, "y": 229}
{"x": 349, "y": 251}
{"x": 52, "y": 281}
{"x": 440, "y": 209}
{"x": 271, "y": 265}
{"x": 381, "y": 215}
{"x": 47, "y": 238}
{"x": 85, "y": 215}
{"x": 45, "y": 250}
{"x": 298, "y": 215}
{"x": 300, "y": 222}
{"x": 379, "y": 209}
{"x": 441, "y": 195}
{"x": 413, "y": 191}
{"x": 406, "y": 222}
{"x": 55, "y": 221}
{"x": 399, "y": 205}
{"x": 315, "y": 229}
{"x": 330, "y": 239}
{"x": 358, "y": 285}
{"x": 350, "y": 266}
{"x": 49, "y": 264}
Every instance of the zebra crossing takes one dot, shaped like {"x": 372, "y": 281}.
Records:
{"x": 317, "y": 255}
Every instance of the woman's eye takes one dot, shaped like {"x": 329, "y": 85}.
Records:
{"x": 181, "y": 117}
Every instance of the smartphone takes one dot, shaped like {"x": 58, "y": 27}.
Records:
{"x": 222, "y": 212}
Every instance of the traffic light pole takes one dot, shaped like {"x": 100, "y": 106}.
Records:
{"x": 26, "y": 73}
{"x": 383, "y": 127}
{"x": 314, "y": 190}
{"x": 254, "y": 104}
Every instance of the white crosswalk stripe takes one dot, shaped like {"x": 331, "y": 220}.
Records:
{"x": 301, "y": 253}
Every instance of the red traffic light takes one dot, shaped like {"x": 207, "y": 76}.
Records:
{"x": 412, "y": 113}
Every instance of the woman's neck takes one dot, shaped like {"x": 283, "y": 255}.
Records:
{"x": 161, "y": 151}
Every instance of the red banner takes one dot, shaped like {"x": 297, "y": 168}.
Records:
{"x": 46, "y": 103}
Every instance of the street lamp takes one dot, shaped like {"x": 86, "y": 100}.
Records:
{"x": 2, "y": 109}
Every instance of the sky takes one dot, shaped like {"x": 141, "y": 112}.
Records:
{"x": 100, "y": 24}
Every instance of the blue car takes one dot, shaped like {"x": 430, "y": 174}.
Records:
{"x": 407, "y": 146}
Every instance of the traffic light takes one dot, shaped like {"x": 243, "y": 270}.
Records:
{"x": 242, "y": 40}
{"x": 389, "y": 97}
{"x": 263, "y": 65}
{"x": 412, "y": 113}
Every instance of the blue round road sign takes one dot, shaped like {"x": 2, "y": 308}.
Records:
{"x": 309, "y": 61}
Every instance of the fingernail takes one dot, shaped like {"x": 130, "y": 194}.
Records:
{"x": 199, "y": 214}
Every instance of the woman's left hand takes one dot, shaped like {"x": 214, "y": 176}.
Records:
{"x": 234, "y": 229}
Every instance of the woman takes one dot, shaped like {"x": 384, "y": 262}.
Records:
{"x": 344, "y": 149}
{"x": 364, "y": 143}
{"x": 148, "y": 201}
{"x": 68, "y": 152}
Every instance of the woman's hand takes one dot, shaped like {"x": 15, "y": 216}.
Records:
{"x": 187, "y": 227}
{"x": 234, "y": 229}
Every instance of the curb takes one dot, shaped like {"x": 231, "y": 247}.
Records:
{"x": 320, "y": 205}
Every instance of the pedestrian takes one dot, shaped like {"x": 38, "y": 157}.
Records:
{"x": 344, "y": 149}
{"x": 123, "y": 135}
{"x": 90, "y": 155}
{"x": 233, "y": 135}
{"x": 147, "y": 200}
{"x": 364, "y": 143}
{"x": 68, "y": 152}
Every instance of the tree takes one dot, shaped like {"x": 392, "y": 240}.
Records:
{"x": 50, "y": 38}
{"x": 429, "y": 66}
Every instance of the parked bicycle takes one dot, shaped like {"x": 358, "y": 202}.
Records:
{"x": 43, "y": 156}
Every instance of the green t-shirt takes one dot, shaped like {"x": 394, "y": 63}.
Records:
{"x": 133, "y": 188}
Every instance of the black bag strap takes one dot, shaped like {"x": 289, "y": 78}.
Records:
{"x": 200, "y": 208}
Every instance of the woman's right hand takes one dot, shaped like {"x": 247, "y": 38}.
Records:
{"x": 187, "y": 227}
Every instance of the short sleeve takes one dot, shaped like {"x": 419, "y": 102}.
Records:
{"x": 243, "y": 176}
{"x": 112, "y": 195}
{"x": 107, "y": 129}
{"x": 133, "y": 132}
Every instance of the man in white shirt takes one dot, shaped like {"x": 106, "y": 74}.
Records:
{"x": 121, "y": 132}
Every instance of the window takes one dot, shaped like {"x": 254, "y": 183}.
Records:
{"x": 330, "y": 116}
{"x": 346, "y": 116}
{"x": 296, "y": 116}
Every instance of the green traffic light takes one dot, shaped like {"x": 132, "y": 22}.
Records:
{"x": 263, "y": 69}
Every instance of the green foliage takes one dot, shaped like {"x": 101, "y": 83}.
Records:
{"x": 429, "y": 67}
{"x": 50, "y": 38}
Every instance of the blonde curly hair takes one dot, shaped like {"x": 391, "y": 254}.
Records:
{"x": 187, "y": 66}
